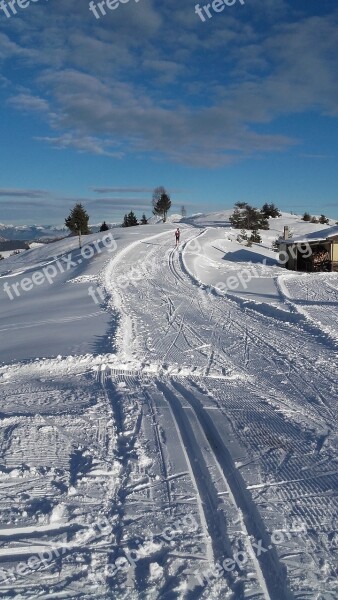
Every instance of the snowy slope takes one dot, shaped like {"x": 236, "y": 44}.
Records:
{"x": 166, "y": 436}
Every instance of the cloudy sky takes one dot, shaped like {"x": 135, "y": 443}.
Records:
{"x": 241, "y": 106}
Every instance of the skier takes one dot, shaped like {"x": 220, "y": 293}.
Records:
{"x": 177, "y": 236}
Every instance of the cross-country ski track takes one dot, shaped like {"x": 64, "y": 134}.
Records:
{"x": 203, "y": 431}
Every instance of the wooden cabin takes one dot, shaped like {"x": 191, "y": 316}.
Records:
{"x": 317, "y": 251}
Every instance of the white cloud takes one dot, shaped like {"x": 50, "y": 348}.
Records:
{"x": 151, "y": 80}
{"x": 82, "y": 143}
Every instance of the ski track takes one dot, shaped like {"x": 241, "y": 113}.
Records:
{"x": 269, "y": 571}
{"x": 209, "y": 410}
{"x": 248, "y": 351}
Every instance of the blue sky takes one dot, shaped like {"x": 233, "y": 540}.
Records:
{"x": 243, "y": 106}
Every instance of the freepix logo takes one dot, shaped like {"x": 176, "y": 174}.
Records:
{"x": 217, "y": 6}
{"x": 12, "y": 4}
{"x": 59, "y": 265}
{"x": 100, "y": 7}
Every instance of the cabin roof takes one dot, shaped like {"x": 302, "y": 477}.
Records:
{"x": 316, "y": 236}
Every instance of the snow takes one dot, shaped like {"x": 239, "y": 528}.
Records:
{"x": 7, "y": 253}
{"x": 177, "y": 436}
{"x": 216, "y": 259}
{"x": 314, "y": 236}
{"x": 171, "y": 218}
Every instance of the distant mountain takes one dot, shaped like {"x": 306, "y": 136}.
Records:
{"x": 30, "y": 233}
{"x": 43, "y": 233}
{"x": 96, "y": 227}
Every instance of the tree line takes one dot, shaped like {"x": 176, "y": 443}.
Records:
{"x": 244, "y": 216}
{"x": 161, "y": 204}
{"x": 78, "y": 218}
{"x": 323, "y": 220}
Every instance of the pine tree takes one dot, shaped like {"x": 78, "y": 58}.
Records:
{"x": 270, "y": 210}
{"x": 306, "y": 217}
{"x": 104, "y": 226}
{"x": 243, "y": 236}
{"x": 255, "y": 237}
{"x": 161, "y": 202}
{"x": 236, "y": 219}
{"x": 275, "y": 245}
{"x": 144, "y": 220}
{"x": 248, "y": 217}
{"x": 323, "y": 220}
{"x": 77, "y": 221}
{"x": 130, "y": 220}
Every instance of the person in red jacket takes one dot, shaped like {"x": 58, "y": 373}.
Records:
{"x": 177, "y": 236}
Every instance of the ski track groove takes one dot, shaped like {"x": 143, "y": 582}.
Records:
{"x": 269, "y": 571}
{"x": 210, "y": 523}
{"x": 166, "y": 477}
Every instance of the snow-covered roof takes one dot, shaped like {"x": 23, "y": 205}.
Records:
{"x": 314, "y": 236}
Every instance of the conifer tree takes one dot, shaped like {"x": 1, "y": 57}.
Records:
{"x": 130, "y": 220}
{"x": 270, "y": 210}
{"x": 255, "y": 237}
{"x": 104, "y": 226}
{"x": 248, "y": 217}
{"x": 77, "y": 221}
